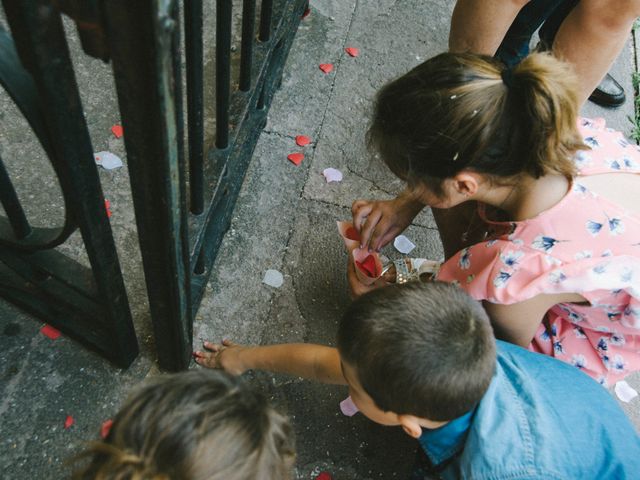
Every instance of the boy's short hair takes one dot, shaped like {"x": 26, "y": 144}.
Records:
{"x": 422, "y": 349}
{"x": 194, "y": 425}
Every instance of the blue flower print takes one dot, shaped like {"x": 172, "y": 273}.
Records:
{"x": 544, "y": 244}
{"x": 623, "y": 142}
{"x": 491, "y": 242}
{"x": 607, "y": 253}
{"x": 626, "y": 275}
{"x": 618, "y": 364}
{"x": 616, "y": 227}
{"x": 585, "y": 122}
{"x": 594, "y": 227}
{"x": 603, "y": 345}
{"x": 558, "y": 348}
{"x": 511, "y": 257}
{"x": 579, "y": 332}
{"x": 613, "y": 164}
{"x": 582, "y": 159}
{"x": 579, "y": 188}
{"x": 583, "y": 254}
{"x": 572, "y": 316}
{"x": 545, "y": 335}
{"x": 578, "y": 361}
{"x": 557, "y": 277}
{"x": 617, "y": 339}
{"x": 629, "y": 162}
{"x": 592, "y": 142}
{"x": 605, "y": 361}
{"x": 464, "y": 262}
{"x": 501, "y": 279}
{"x": 603, "y": 329}
{"x": 612, "y": 316}
{"x": 603, "y": 381}
{"x": 600, "y": 269}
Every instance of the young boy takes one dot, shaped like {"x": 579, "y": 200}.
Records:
{"x": 423, "y": 356}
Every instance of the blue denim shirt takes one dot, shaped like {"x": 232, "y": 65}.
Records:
{"x": 540, "y": 419}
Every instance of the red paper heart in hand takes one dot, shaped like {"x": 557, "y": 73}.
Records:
{"x": 354, "y": 52}
{"x": 295, "y": 158}
{"x": 68, "y": 421}
{"x": 326, "y": 67}
{"x": 368, "y": 266}
{"x": 303, "y": 140}
{"x": 352, "y": 234}
{"x": 117, "y": 131}
{"x": 49, "y": 331}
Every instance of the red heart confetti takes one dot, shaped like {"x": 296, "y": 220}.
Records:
{"x": 295, "y": 158}
{"x": 107, "y": 207}
{"x": 117, "y": 131}
{"x": 352, "y": 234}
{"x": 368, "y": 266}
{"x": 324, "y": 476}
{"x": 106, "y": 428}
{"x": 68, "y": 422}
{"x": 303, "y": 140}
{"x": 306, "y": 13}
{"x": 49, "y": 331}
{"x": 352, "y": 51}
{"x": 326, "y": 67}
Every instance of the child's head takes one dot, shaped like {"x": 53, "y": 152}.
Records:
{"x": 197, "y": 425}
{"x": 424, "y": 350}
{"x": 465, "y": 112}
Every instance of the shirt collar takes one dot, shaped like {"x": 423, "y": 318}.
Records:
{"x": 442, "y": 443}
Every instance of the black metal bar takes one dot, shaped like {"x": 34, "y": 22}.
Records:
{"x": 223, "y": 71}
{"x": 40, "y": 40}
{"x": 246, "y": 52}
{"x": 140, "y": 41}
{"x": 266, "y": 13}
{"x": 193, "y": 51}
{"x": 12, "y": 206}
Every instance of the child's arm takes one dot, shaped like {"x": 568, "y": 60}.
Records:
{"x": 314, "y": 362}
{"x": 381, "y": 221}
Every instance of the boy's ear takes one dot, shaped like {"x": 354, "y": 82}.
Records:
{"x": 411, "y": 425}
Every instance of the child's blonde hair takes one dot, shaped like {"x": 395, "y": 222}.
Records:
{"x": 199, "y": 425}
{"x": 466, "y": 111}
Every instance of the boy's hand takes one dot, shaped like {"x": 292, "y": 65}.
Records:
{"x": 379, "y": 222}
{"x": 226, "y": 356}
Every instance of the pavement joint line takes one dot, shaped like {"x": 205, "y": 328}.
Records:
{"x": 15, "y": 380}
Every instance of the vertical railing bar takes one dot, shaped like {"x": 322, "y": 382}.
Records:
{"x": 12, "y": 206}
{"x": 223, "y": 71}
{"x": 193, "y": 52}
{"x": 266, "y": 12}
{"x": 246, "y": 52}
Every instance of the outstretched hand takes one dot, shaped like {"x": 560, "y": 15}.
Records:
{"x": 224, "y": 356}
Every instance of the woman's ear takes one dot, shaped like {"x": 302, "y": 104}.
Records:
{"x": 466, "y": 183}
{"x": 411, "y": 425}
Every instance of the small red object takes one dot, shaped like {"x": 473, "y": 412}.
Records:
{"x": 295, "y": 158}
{"x": 68, "y": 422}
{"x": 352, "y": 51}
{"x": 106, "y": 428}
{"x": 306, "y": 13}
{"x": 303, "y": 140}
{"x": 107, "y": 207}
{"x": 324, "y": 476}
{"x": 352, "y": 234}
{"x": 49, "y": 331}
{"x": 368, "y": 266}
{"x": 117, "y": 131}
{"x": 326, "y": 67}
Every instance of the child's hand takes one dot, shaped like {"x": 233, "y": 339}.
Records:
{"x": 226, "y": 357}
{"x": 379, "y": 222}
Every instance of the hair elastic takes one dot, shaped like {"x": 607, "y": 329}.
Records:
{"x": 507, "y": 76}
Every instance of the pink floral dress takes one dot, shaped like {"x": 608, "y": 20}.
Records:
{"x": 584, "y": 244}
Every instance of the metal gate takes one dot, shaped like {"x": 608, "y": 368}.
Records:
{"x": 183, "y": 203}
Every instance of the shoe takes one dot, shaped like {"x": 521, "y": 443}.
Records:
{"x": 609, "y": 93}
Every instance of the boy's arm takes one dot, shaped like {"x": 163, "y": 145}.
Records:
{"x": 313, "y": 362}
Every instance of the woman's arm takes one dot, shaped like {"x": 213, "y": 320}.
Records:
{"x": 313, "y": 362}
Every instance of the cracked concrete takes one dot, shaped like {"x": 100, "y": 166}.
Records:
{"x": 284, "y": 219}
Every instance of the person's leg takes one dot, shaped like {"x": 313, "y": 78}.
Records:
{"x": 592, "y": 36}
{"x": 480, "y": 25}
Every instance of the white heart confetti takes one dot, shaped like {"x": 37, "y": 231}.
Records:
{"x": 625, "y": 392}
{"x": 273, "y": 278}
{"x": 348, "y": 408}
{"x": 332, "y": 175}
{"x": 403, "y": 244}
{"x": 108, "y": 160}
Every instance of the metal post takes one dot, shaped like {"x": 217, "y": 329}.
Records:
{"x": 223, "y": 71}
{"x": 246, "y": 54}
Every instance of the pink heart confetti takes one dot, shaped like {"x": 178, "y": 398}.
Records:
{"x": 106, "y": 428}
{"x": 302, "y": 140}
{"x": 295, "y": 158}
{"x": 306, "y": 13}
{"x": 332, "y": 175}
{"x": 68, "y": 422}
{"x": 326, "y": 67}
{"x": 107, "y": 207}
{"x": 50, "y": 332}
{"x": 352, "y": 51}
{"x": 324, "y": 476}
{"x": 348, "y": 408}
{"x": 117, "y": 131}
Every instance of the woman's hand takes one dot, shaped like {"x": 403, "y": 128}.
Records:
{"x": 226, "y": 356}
{"x": 379, "y": 222}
